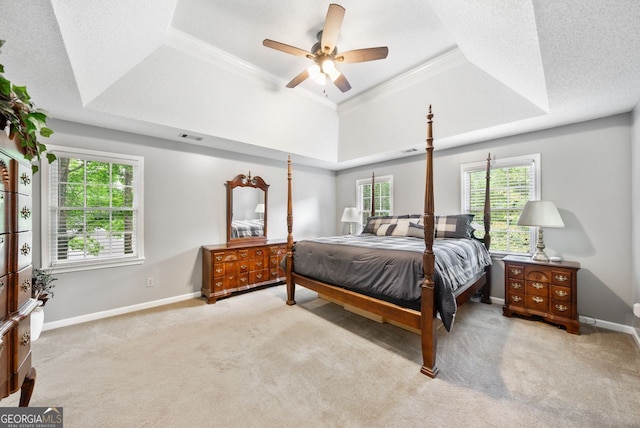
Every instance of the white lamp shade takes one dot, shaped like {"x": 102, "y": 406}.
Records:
{"x": 259, "y": 208}
{"x": 350, "y": 215}
{"x": 540, "y": 214}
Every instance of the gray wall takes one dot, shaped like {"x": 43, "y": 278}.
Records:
{"x": 585, "y": 169}
{"x": 185, "y": 208}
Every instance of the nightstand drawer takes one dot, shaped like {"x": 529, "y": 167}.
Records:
{"x": 515, "y": 271}
{"x": 562, "y": 309}
{"x": 516, "y": 299}
{"x": 537, "y": 303}
{"x": 534, "y": 273}
{"x": 516, "y": 285}
{"x": 537, "y": 288}
{"x": 561, "y": 277}
{"x": 560, "y": 293}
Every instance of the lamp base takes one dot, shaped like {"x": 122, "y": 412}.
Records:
{"x": 540, "y": 255}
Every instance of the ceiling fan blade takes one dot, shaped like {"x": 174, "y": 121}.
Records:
{"x": 287, "y": 49}
{"x": 332, "y": 25}
{"x": 362, "y": 55}
{"x": 298, "y": 79}
{"x": 342, "y": 83}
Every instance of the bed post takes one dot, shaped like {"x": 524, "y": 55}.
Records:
{"x": 291, "y": 286}
{"x": 428, "y": 309}
{"x": 373, "y": 194}
{"x": 486, "y": 289}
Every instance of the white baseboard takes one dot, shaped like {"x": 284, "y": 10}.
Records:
{"x": 118, "y": 311}
{"x": 594, "y": 321}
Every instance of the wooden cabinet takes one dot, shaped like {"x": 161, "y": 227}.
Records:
{"x": 230, "y": 269}
{"x": 16, "y": 247}
{"x": 546, "y": 290}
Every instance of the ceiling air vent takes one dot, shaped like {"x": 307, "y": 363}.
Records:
{"x": 190, "y": 137}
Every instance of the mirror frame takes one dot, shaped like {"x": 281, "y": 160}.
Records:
{"x": 256, "y": 182}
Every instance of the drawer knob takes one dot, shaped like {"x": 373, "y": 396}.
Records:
{"x": 218, "y": 270}
{"x": 516, "y": 298}
{"x": 516, "y": 285}
{"x": 219, "y": 284}
{"x": 25, "y": 178}
{"x": 537, "y": 299}
{"x": 561, "y": 308}
{"x": 25, "y": 339}
{"x": 243, "y": 279}
{"x": 243, "y": 267}
{"x": 259, "y": 252}
{"x": 537, "y": 285}
{"x": 25, "y": 249}
{"x": 561, "y": 278}
{"x": 516, "y": 271}
{"x": 243, "y": 254}
{"x": 25, "y": 212}
{"x": 561, "y": 293}
{"x": 26, "y": 285}
{"x": 259, "y": 276}
{"x": 218, "y": 258}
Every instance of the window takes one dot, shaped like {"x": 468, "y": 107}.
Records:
{"x": 91, "y": 210}
{"x": 514, "y": 181}
{"x": 383, "y": 197}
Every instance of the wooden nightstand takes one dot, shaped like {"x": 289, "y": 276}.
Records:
{"x": 544, "y": 289}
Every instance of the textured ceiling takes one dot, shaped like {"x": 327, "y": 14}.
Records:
{"x": 539, "y": 63}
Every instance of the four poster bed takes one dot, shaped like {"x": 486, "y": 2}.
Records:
{"x": 389, "y": 272}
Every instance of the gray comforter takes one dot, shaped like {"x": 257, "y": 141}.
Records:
{"x": 390, "y": 267}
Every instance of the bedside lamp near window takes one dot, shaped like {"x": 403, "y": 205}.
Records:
{"x": 350, "y": 215}
{"x": 540, "y": 214}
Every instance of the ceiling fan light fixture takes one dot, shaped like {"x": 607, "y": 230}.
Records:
{"x": 314, "y": 71}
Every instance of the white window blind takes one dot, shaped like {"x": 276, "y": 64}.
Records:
{"x": 92, "y": 210}
{"x": 514, "y": 181}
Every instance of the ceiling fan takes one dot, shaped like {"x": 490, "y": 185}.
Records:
{"x": 325, "y": 54}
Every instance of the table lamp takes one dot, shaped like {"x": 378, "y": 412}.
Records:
{"x": 540, "y": 214}
{"x": 350, "y": 215}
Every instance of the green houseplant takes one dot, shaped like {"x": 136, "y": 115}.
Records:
{"x": 42, "y": 284}
{"x": 26, "y": 122}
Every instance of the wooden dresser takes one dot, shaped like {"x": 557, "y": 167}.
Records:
{"x": 230, "y": 269}
{"x": 16, "y": 246}
{"x": 543, "y": 289}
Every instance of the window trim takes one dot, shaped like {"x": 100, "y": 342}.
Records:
{"x": 498, "y": 163}
{"x": 364, "y": 181}
{"x": 45, "y": 217}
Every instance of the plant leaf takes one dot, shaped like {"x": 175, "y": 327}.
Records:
{"x": 51, "y": 157}
{"x": 45, "y": 132}
{"x": 21, "y": 92}
{"x": 5, "y": 86}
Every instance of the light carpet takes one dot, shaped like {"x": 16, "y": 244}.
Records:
{"x": 252, "y": 361}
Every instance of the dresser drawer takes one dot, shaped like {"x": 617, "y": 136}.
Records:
{"x": 4, "y": 295}
{"x": 257, "y": 264}
{"x": 5, "y": 242}
{"x": 23, "y": 283}
{"x": 257, "y": 253}
{"x": 5, "y": 212}
{"x": 24, "y": 213}
{"x": 538, "y": 303}
{"x": 225, "y": 256}
{"x": 537, "y": 288}
{"x": 259, "y": 276}
{"x": 22, "y": 178}
{"x": 24, "y": 248}
{"x": 22, "y": 340}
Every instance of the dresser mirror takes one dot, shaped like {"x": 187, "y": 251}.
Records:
{"x": 246, "y": 210}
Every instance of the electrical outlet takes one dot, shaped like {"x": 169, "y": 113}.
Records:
{"x": 636, "y": 309}
{"x": 150, "y": 281}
